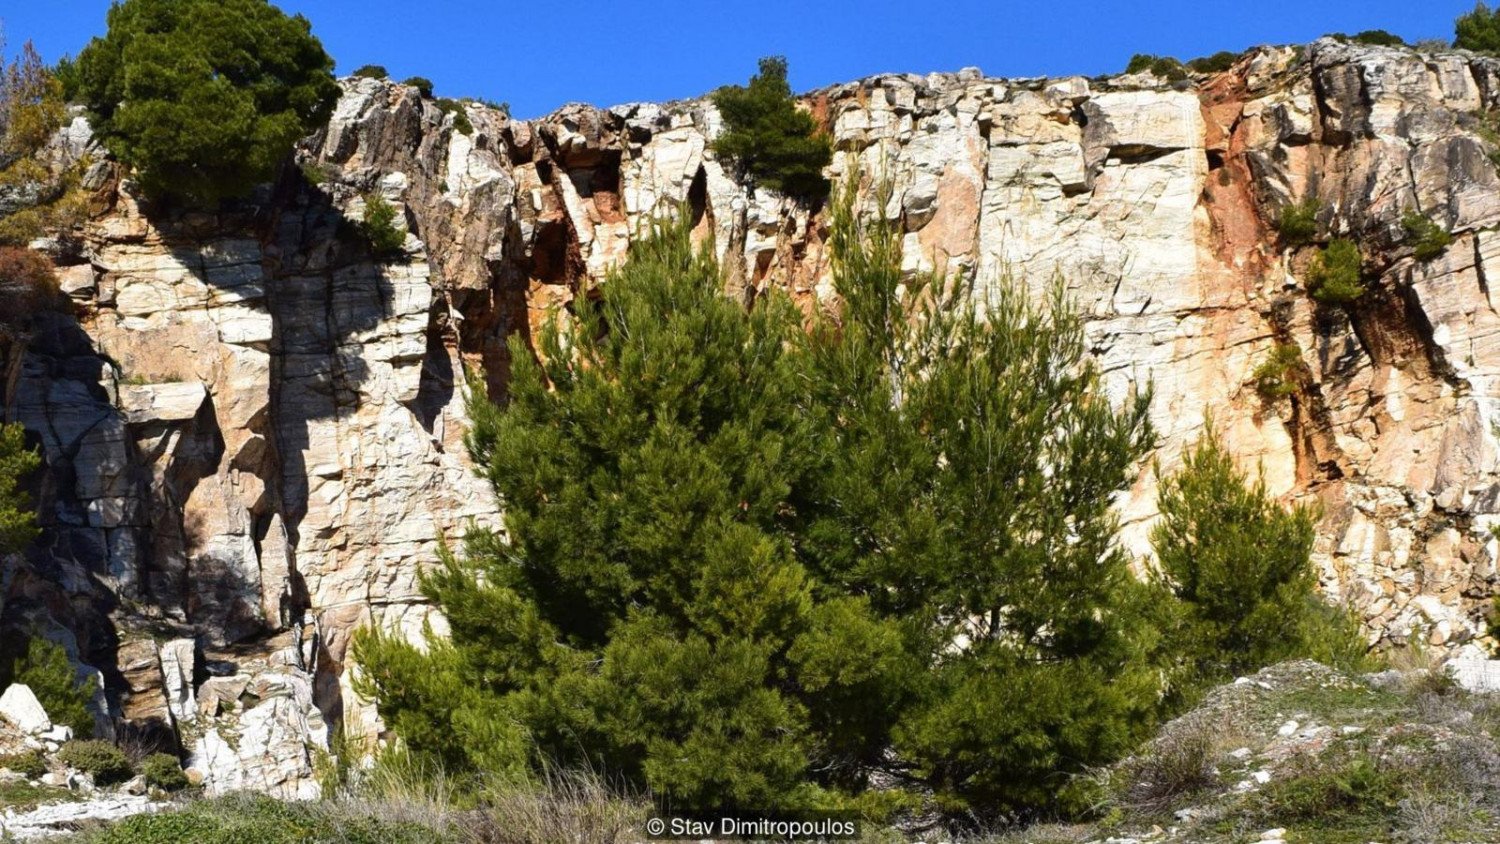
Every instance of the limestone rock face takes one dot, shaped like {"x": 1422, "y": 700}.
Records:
{"x": 253, "y": 428}
{"x": 19, "y": 707}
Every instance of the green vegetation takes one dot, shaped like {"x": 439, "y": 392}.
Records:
{"x": 1276, "y": 376}
{"x": 29, "y": 763}
{"x": 163, "y": 771}
{"x": 1297, "y": 222}
{"x": 244, "y": 818}
{"x": 106, "y": 762}
{"x": 422, "y": 84}
{"x": 23, "y": 797}
{"x": 1334, "y": 276}
{"x": 715, "y": 583}
{"x": 1240, "y": 565}
{"x": 1165, "y": 67}
{"x": 1427, "y": 238}
{"x": 769, "y": 139}
{"x": 1373, "y": 37}
{"x": 461, "y": 123}
{"x": 1216, "y": 63}
{"x": 31, "y": 110}
{"x": 1478, "y": 30}
{"x": 371, "y": 71}
{"x": 314, "y": 173}
{"x": 44, "y": 666}
{"x": 204, "y": 98}
{"x": 17, "y": 519}
{"x": 386, "y": 239}
{"x": 27, "y": 286}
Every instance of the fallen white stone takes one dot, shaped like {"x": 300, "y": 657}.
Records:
{"x": 20, "y": 707}
{"x": 57, "y": 818}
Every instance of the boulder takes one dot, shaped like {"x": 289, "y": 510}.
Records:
{"x": 19, "y": 706}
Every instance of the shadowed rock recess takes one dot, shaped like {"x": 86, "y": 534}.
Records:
{"x": 252, "y": 428}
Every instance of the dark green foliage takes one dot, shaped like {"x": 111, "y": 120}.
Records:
{"x": 1361, "y": 790}
{"x": 422, "y": 84}
{"x": 1240, "y": 564}
{"x": 106, "y": 762}
{"x": 769, "y": 139}
{"x": 386, "y": 239}
{"x": 461, "y": 123}
{"x": 66, "y": 74}
{"x": 737, "y": 557}
{"x": 1276, "y": 376}
{"x": 1216, "y": 63}
{"x": 1379, "y": 38}
{"x": 1479, "y": 30}
{"x": 44, "y": 667}
{"x": 372, "y": 71}
{"x": 1165, "y": 67}
{"x": 163, "y": 771}
{"x": 1297, "y": 222}
{"x": 204, "y": 98}
{"x": 257, "y": 819}
{"x": 1334, "y": 277}
{"x": 1427, "y": 238}
{"x": 29, "y": 763}
{"x": 17, "y": 519}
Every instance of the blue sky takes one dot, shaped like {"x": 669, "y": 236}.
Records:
{"x": 539, "y": 55}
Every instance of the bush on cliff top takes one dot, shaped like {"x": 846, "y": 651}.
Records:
{"x": 1165, "y": 67}
{"x": 205, "y": 98}
{"x": 1478, "y": 30}
{"x": 769, "y": 139}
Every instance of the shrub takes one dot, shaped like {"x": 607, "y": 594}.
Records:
{"x": 106, "y": 762}
{"x": 204, "y": 98}
{"x": 1479, "y": 30}
{"x": 31, "y": 106}
{"x": 422, "y": 84}
{"x": 17, "y": 519}
{"x": 46, "y": 669}
{"x": 1165, "y": 67}
{"x": 1427, "y": 238}
{"x": 315, "y": 173}
{"x": 1334, "y": 276}
{"x": 1355, "y": 790}
{"x": 163, "y": 771}
{"x": 461, "y": 122}
{"x": 1276, "y": 376}
{"x": 257, "y": 819}
{"x": 372, "y": 71}
{"x": 736, "y": 557}
{"x": 769, "y": 139}
{"x": 1379, "y": 38}
{"x": 1216, "y": 63}
{"x": 27, "y": 285}
{"x": 1239, "y": 562}
{"x": 28, "y": 763}
{"x": 1297, "y": 223}
{"x": 379, "y": 227}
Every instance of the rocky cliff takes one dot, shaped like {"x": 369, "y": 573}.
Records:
{"x": 253, "y": 428}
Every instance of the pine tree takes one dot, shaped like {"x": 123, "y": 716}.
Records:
{"x": 1479, "y": 30}
{"x": 1241, "y": 565}
{"x": 205, "y": 98}
{"x": 17, "y": 519}
{"x": 768, "y": 138}
{"x": 969, "y": 500}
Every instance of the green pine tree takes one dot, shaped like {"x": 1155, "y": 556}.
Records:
{"x": 1240, "y": 563}
{"x": 17, "y": 518}
{"x": 1478, "y": 30}
{"x": 769, "y": 139}
{"x": 968, "y": 499}
{"x": 204, "y": 98}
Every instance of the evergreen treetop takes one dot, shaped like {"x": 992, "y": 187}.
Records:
{"x": 768, "y": 138}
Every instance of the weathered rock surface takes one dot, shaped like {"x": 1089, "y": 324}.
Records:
{"x": 19, "y": 706}
{"x": 254, "y": 429}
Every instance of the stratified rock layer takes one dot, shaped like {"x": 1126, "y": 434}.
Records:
{"x": 254, "y": 430}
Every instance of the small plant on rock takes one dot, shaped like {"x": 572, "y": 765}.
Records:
{"x": 1165, "y": 67}
{"x": 422, "y": 84}
{"x": 1216, "y": 63}
{"x": 163, "y": 771}
{"x": 1334, "y": 276}
{"x": 372, "y": 71}
{"x": 380, "y": 229}
{"x": 461, "y": 122}
{"x": 1428, "y": 239}
{"x": 1276, "y": 376}
{"x": 29, "y": 764}
{"x": 1298, "y": 222}
{"x": 107, "y": 763}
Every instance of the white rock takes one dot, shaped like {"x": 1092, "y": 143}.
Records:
{"x": 20, "y": 707}
{"x": 1475, "y": 675}
{"x": 1287, "y": 729}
